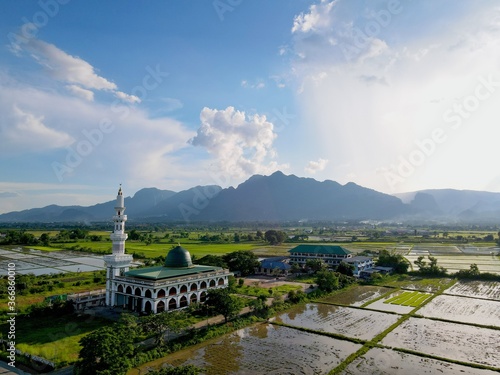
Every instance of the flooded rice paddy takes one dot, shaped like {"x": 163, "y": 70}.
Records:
{"x": 462, "y": 309}
{"x": 357, "y": 295}
{"x": 455, "y": 258}
{"x": 42, "y": 262}
{"x": 447, "y": 340}
{"x": 267, "y": 348}
{"x": 378, "y": 361}
{"x": 355, "y": 323}
{"x": 476, "y": 289}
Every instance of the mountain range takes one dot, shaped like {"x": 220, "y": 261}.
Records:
{"x": 279, "y": 198}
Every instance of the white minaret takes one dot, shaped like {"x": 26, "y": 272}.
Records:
{"x": 118, "y": 262}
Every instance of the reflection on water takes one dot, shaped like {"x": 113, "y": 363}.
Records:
{"x": 264, "y": 349}
{"x": 224, "y": 354}
{"x": 347, "y": 321}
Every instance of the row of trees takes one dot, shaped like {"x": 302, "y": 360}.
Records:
{"x": 243, "y": 262}
{"x": 111, "y": 350}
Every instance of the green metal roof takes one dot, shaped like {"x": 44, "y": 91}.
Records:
{"x": 162, "y": 272}
{"x": 177, "y": 264}
{"x": 320, "y": 249}
{"x": 178, "y": 257}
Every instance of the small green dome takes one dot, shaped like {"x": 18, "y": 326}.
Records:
{"x": 178, "y": 257}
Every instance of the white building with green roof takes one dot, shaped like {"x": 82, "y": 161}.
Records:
{"x": 331, "y": 255}
{"x": 174, "y": 285}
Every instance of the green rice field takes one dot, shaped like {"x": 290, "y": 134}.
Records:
{"x": 413, "y": 299}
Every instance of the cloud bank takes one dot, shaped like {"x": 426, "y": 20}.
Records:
{"x": 242, "y": 145}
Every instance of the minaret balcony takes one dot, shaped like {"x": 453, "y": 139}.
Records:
{"x": 120, "y": 218}
{"x": 118, "y": 236}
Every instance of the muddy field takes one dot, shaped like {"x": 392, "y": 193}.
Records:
{"x": 357, "y": 295}
{"x": 355, "y": 323}
{"x": 383, "y": 306}
{"x": 455, "y": 261}
{"x": 462, "y": 309}
{"x": 264, "y": 349}
{"x": 476, "y": 289}
{"x": 379, "y": 361}
{"x": 447, "y": 340}
{"x": 421, "y": 284}
{"x": 270, "y": 349}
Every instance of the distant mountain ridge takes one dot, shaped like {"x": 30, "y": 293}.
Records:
{"x": 279, "y": 198}
{"x": 451, "y": 204}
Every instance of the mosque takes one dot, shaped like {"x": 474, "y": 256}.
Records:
{"x": 174, "y": 285}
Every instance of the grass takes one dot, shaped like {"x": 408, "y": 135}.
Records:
{"x": 416, "y": 282}
{"x": 256, "y": 291}
{"x": 196, "y": 248}
{"x": 61, "y": 284}
{"x": 55, "y": 339}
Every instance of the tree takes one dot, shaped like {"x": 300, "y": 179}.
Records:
{"x": 45, "y": 239}
{"x": 327, "y": 281}
{"x": 260, "y": 236}
{"x": 295, "y": 268}
{"x": 315, "y": 265}
{"x": 432, "y": 268}
{"x": 472, "y": 272}
{"x": 259, "y": 306}
{"x": 106, "y": 351}
{"x": 489, "y": 237}
{"x": 420, "y": 262}
{"x": 221, "y": 302}
{"x": 243, "y": 261}
{"x": 296, "y": 296}
{"x": 345, "y": 269}
{"x": 274, "y": 237}
{"x": 396, "y": 261}
{"x": 211, "y": 260}
{"x": 134, "y": 235}
{"x": 165, "y": 322}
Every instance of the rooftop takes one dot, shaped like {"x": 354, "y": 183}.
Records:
{"x": 320, "y": 249}
{"x": 162, "y": 272}
{"x": 177, "y": 264}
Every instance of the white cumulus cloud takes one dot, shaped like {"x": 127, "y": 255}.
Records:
{"x": 80, "y": 75}
{"x": 127, "y": 98}
{"x": 371, "y": 97}
{"x": 28, "y": 132}
{"x": 318, "y": 18}
{"x": 242, "y": 145}
{"x": 316, "y": 166}
{"x": 81, "y": 92}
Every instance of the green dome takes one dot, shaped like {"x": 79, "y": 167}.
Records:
{"x": 178, "y": 257}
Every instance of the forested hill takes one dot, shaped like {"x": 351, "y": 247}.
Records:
{"x": 278, "y": 198}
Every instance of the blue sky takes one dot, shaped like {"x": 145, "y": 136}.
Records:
{"x": 393, "y": 95}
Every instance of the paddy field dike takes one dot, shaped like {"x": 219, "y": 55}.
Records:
{"x": 410, "y": 326}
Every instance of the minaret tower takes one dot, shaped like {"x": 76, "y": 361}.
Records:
{"x": 118, "y": 262}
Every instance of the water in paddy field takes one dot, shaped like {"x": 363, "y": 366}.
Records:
{"x": 42, "y": 263}
{"x": 265, "y": 349}
{"x": 455, "y": 258}
{"x": 350, "y": 322}
{"x": 270, "y": 349}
